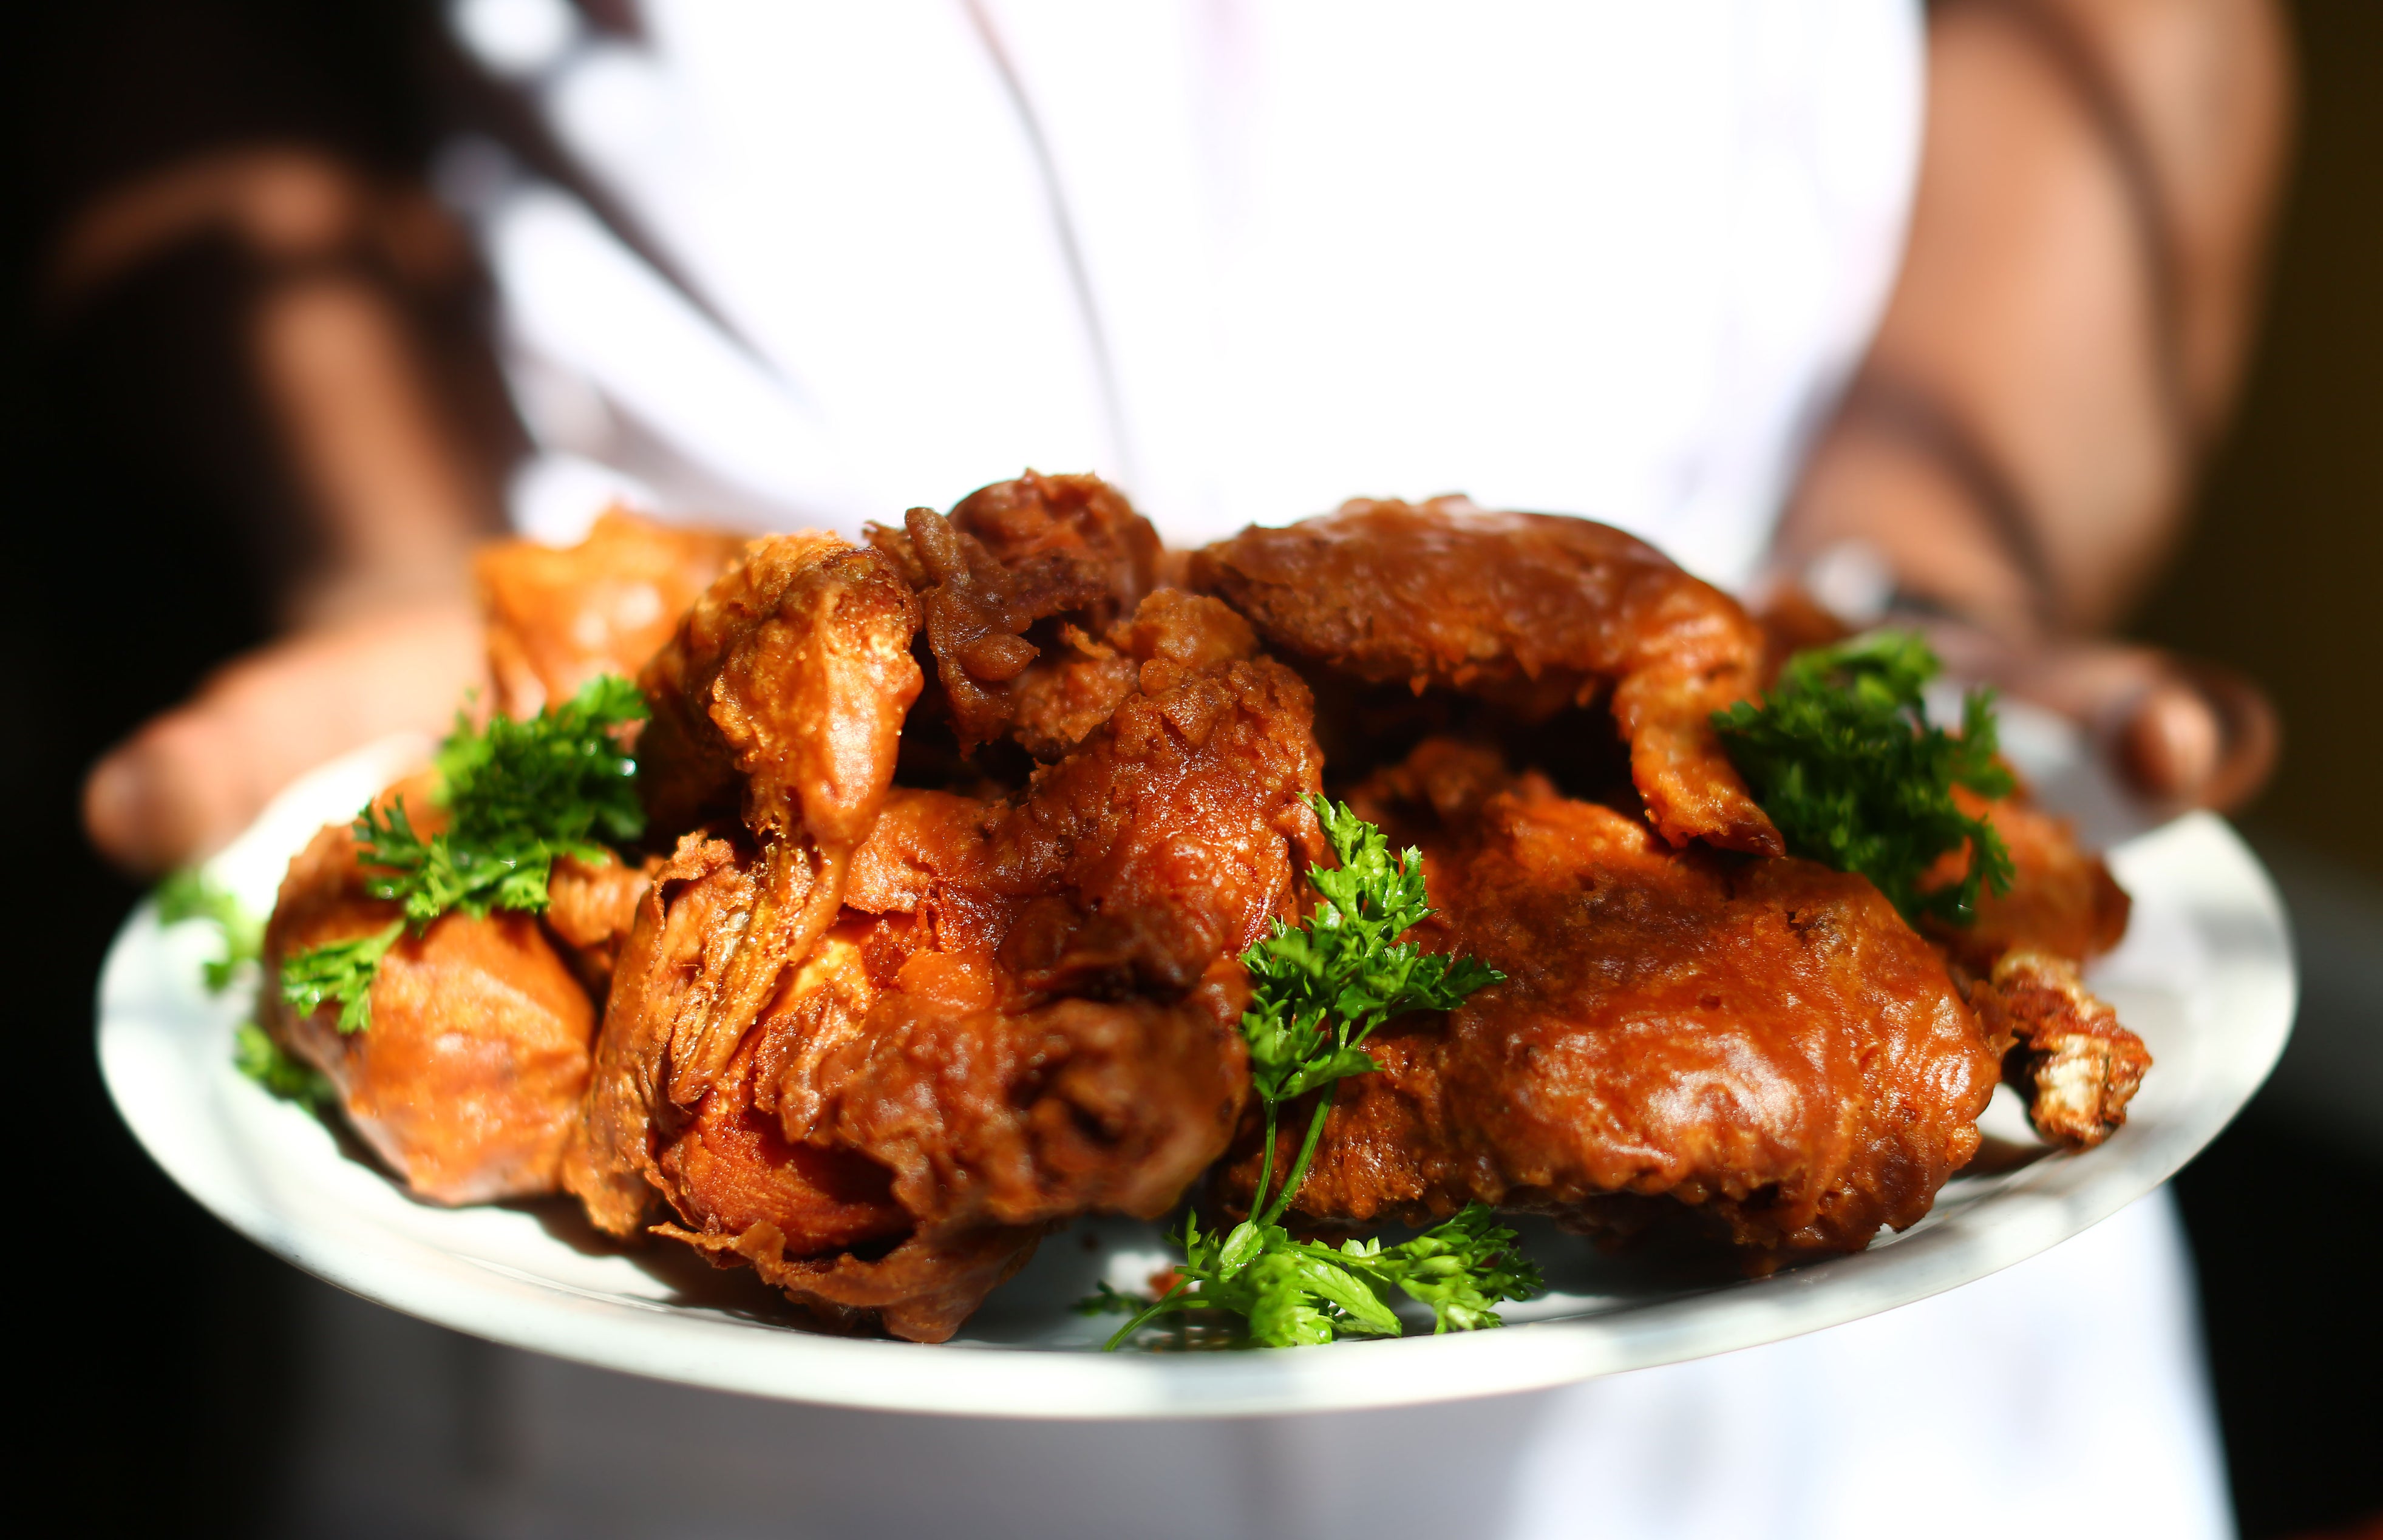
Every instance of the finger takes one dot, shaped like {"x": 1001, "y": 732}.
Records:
{"x": 2179, "y": 731}
{"x": 189, "y": 781}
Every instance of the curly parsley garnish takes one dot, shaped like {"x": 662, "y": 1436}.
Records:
{"x": 190, "y": 895}
{"x": 270, "y": 1066}
{"x": 1842, "y": 757}
{"x": 517, "y": 795}
{"x": 340, "y": 971}
{"x": 1321, "y": 990}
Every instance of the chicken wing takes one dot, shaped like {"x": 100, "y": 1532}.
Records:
{"x": 781, "y": 696}
{"x": 2064, "y": 1049}
{"x": 1534, "y": 611}
{"x": 1766, "y": 1040}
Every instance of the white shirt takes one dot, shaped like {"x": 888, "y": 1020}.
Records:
{"x": 1611, "y": 259}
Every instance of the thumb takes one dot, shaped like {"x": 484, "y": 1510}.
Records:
{"x": 192, "y": 779}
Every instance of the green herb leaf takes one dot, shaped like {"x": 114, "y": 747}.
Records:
{"x": 1322, "y": 987}
{"x": 518, "y": 795}
{"x": 1841, "y": 756}
{"x": 266, "y": 1062}
{"x": 340, "y": 970}
{"x": 1302, "y": 1293}
{"x": 1319, "y": 989}
{"x": 190, "y": 895}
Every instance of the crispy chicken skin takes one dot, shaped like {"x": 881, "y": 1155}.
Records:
{"x": 590, "y": 906}
{"x": 1026, "y": 1012}
{"x": 1016, "y": 585}
{"x": 1766, "y": 1040}
{"x": 1532, "y": 610}
{"x": 468, "y": 1080}
{"x": 2065, "y": 1051}
{"x": 2062, "y": 900}
{"x": 558, "y": 618}
{"x": 2021, "y": 962}
{"x": 782, "y": 693}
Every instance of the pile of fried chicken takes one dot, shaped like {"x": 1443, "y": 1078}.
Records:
{"x": 957, "y": 837}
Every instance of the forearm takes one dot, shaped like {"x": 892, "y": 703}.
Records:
{"x": 2070, "y": 322}
{"x": 342, "y": 353}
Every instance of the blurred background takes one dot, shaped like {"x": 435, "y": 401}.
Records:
{"x": 164, "y": 1350}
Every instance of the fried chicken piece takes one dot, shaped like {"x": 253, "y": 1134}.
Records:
{"x": 1061, "y": 558}
{"x": 2065, "y": 1049}
{"x": 782, "y": 693}
{"x": 590, "y": 906}
{"x": 558, "y": 618}
{"x": 468, "y": 1079}
{"x": 1027, "y": 1012}
{"x": 2062, "y": 899}
{"x": 1531, "y": 610}
{"x": 1766, "y": 1040}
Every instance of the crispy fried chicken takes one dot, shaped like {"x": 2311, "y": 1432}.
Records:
{"x": 1765, "y": 1040}
{"x": 558, "y": 618}
{"x": 1016, "y": 586}
{"x": 873, "y": 1041}
{"x": 1026, "y": 1011}
{"x": 1534, "y": 613}
{"x": 2021, "y": 964}
{"x": 469, "y": 1078}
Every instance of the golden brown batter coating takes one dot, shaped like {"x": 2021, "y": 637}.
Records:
{"x": 1534, "y": 611}
{"x": 1028, "y": 1011}
{"x": 1766, "y": 1040}
{"x": 2062, "y": 899}
{"x": 783, "y": 692}
{"x": 590, "y": 907}
{"x": 468, "y": 1080}
{"x": 2066, "y": 1051}
{"x": 556, "y": 619}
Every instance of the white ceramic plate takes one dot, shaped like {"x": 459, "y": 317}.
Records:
{"x": 2205, "y": 975}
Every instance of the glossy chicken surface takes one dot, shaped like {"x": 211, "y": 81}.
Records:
{"x": 957, "y": 837}
{"x": 469, "y": 1079}
{"x": 1532, "y": 611}
{"x": 1766, "y": 1040}
{"x": 2021, "y": 961}
{"x": 2062, "y": 899}
{"x": 558, "y": 618}
{"x": 1025, "y": 1011}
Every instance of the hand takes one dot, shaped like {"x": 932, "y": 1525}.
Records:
{"x": 2179, "y": 731}
{"x": 189, "y": 781}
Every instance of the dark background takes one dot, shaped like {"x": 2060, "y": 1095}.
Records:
{"x": 162, "y": 1374}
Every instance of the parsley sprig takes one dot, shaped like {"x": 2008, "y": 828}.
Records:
{"x": 269, "y": 1064}
{"x": 517, "y": 795}
{"x": 1320, "y": 989}
{"x": 1841, "y": 755}
{"x": 190, "y": 895}
{"x": 340, "y": 971}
